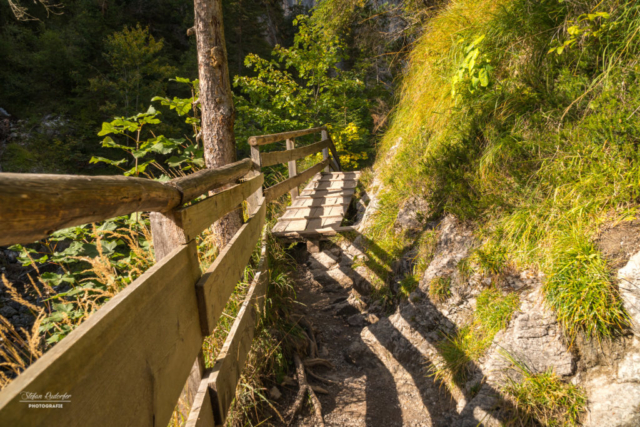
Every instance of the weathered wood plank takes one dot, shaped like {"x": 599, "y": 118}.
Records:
{"x": 334, "y": 153}
{"x": 196, "y": 218}
{"x": 217, "y": 284}
{"x": 199, "y": 183}
{"x": 325, "y": 151}
{"x": 126, "y": 365}
{"x": 316, "y": 232}
{"x": 293, "y": 168}
{"x": 202, "y": 412}
{"x": 276, "y": 137}
{"x": 273, "y": 192}
{"x": 254, "y": 201}
{"x": 230, "y": 362}
{"x": 277, "y": 157}
{"x": 32, "y": 206}
{"x": 319, "y": 206}
{"x": 342, "y": 195}
{"x": 219, "y": 383}
{"x": 306, "y": 218}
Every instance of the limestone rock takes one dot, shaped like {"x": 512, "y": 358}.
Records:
{"x": 454, "y": 242}
{"x": 629, "y": 283}
{"x": 322, "y": 260}
{"x": 412, "y": 216}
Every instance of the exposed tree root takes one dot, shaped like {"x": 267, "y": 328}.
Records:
{"x": 320, "y": 378}
{"x": 318, "y": 389}
{"x": 304, "y": 388}
{"x": 310, "y": 363}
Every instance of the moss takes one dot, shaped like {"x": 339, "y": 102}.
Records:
{"x": 17, "y": 158}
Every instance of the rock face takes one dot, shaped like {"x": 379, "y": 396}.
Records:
{"x": 454, "y": 242}
{"x": 407, "y": 343}
{"x": 413, "y": 215}
{"x": 614, "y": 389}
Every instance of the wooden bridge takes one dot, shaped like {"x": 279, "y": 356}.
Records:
{"x": 130, "y": 362}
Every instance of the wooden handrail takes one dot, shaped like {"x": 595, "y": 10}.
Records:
{"x": 276, "y": 137}
{"x": 277, "y": 157}
{"x": 32, "y": 206}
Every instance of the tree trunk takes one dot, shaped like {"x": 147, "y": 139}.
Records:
{"x": 216, "y": 101}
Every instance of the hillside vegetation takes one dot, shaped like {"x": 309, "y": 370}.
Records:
{"x": 522, "y": 118}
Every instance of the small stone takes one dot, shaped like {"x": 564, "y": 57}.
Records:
{"x": 323, "y": 352}
{"x": 7, "y": 311}
{"x": 356, "y": 320}
{"x": 355, "y": 352}
{"x": 335, "y": 251}
{"x": 346, "y": 309}
{"x": 274, "y": 393}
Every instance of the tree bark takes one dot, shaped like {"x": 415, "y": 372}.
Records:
{"x": 216, "y": 101}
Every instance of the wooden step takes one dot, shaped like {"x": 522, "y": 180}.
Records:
{"x": 328, "y": 231}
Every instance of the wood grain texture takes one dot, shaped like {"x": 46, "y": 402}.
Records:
{"x": 201, "y": 182}
{"x": 325, "y": 151}
{"x": 217, "y": 389}
{"x": 277, "y": 157}
{"x": 276, "y": 137}
{"x": 230, "y": 362}
{"x": 202, "y": 411}
{"x": 126, "y": 365}
{"x": 254, "y": 201}
{"x": 217, "y": 284}
{"x": 293, "y": 168}
{"x": 334, "y": 153}
{"x": 273, "y": 192}
{"x": 196, "y": 218}
{"x": 32, "y": 206}
{"x": 318, "y": 232}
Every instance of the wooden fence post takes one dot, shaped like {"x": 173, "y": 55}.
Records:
{"x": 293, "y": 169}
{"x": 253, "y": 201}
{"x": 325, "y": 151}
{"x": 167, "y": 234}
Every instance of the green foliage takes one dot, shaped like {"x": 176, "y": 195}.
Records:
{"x": 185, "y": 157}
{"x": 303, "y": 87}
{"x": 585, "y": 26}
{"x": 136, "y": 70}
{"x": 543, "y": 398}
{"x": 473, "y": 72}
{"x": 90, "y": 265}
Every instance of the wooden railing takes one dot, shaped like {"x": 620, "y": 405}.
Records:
{"x": 128, "y": 364}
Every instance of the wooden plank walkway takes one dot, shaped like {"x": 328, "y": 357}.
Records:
{"x": 321, "y": 206}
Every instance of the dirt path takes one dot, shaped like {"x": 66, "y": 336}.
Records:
{"x": 369, "y": 388}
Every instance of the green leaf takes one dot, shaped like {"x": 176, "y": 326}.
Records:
{"x": 95, "y": 159}
{"x": 484, "y": 77}
{"x": 107, "y": 128}
{"x": 139, "y": 153}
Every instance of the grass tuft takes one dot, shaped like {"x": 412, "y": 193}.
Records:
{"x": 493, "y": 312}
{"x": 440, "y": 289}
{"x": 544, "y": 399}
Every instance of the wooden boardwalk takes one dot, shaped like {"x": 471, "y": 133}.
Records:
{"x": 320, "y": 207}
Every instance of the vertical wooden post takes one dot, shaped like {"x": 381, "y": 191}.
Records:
{"x": 253, "y": 201}
{"x": 325, "y": 151}
{"x": 168, "y": 234}
{"x": 293, "y": 169}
